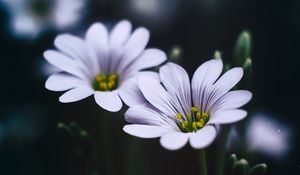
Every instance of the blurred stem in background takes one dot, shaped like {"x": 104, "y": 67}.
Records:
{"x": 242, "y": 51}
{"x": 221, "y": 149}
{"x": 82, "y": 146}
{"x": 106, "y": 146}
{"x": 135, "y": 164}
{"x": 202, "y": 159}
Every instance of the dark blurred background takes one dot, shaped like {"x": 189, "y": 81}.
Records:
{"x": 30, "y": 142}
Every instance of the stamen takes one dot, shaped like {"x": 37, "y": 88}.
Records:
{"x": 179, "y": 116}
{"x": 112, "y": 77}
{"x": 193, "y": 121}
{"x": 184, "y": 124}
{"x": 204, "y": 115}
{"x": 194, "y": 109}
{"x": 194, "y": 125}
{"x": 106, "y": 83}
{"x": 200, "y": 124}
{"x": 103, "y": 86}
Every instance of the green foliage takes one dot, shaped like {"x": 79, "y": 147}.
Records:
{"x": 241, "y": 167}
{"x": 81, "y": 145}
{"x": 258, "y": 169}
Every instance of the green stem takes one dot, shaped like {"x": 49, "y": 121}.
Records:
{"x": 203, "y": 170}
{"x": 106, "y": 144}
{"x": 221, "y": 150}
{"x": 136, "y": 153}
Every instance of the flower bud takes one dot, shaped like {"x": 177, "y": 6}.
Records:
{"x": 258, "y": 169}
{"x": 242, "y": 48}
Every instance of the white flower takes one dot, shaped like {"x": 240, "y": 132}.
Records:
{"x": 179, "y": 111}
{"x": 30, "y": 17}
{"x": 104, "y": 63}
{"x": 268, "y": 136}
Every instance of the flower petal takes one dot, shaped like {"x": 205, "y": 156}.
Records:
{"x": 63, "y": 81}
{"x": 148, "y": 58}
{"x": 65, "y": 63}
{"x": 203, "y": 79}
{"x": 134, "y": 46}
{"x": 174, "y": 140}
{"x": 76, "y": 48}
{"x": 97, "y": 39}
{"x": 70, "y": 45}
{"x": 147, "y": 114}
{"x": 76, "y": 94}
{"x": 232, "y": 100}
{"x": 156, "y": 95}
{"x": 108, "y": 100}
{"x": 145, "y": 131}
{"x": 120, "y": 34}
{"x": 97, "y": 35}
{"x": 224, "y": 84}
{"x": 176, "y": 80}
{"x": 203, "y": 137}
{"x": 130, "y": 92}
{"x": 227, "y": 116}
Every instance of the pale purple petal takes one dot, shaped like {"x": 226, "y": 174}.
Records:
{"x": 97, "y": 38}
{"x": 76, "y": 94}
{"x": 108, "y": 100}
{"x": 145, "y": 131}
{"x": 120, "y": 34}
{"x": 232, "y": 100}
{"x": 203, "y": 79}
{"x": 149, "y": 115}
{"x": 130, "y": 92}
{"x": 156, "y": 95}
{"x": 148, "y": 58}
{"x": 63, "y": 81}
{"x": 227, "y": 116}
{"x": 224, "y": 84}
{"x": 203, "y": 137}
{"x": 174, "y": 140}
{"x": 97, "y": 35}
{"x": 71, "y": 46}
{"x": 134, "y": 46}
{"x": 176, "y": 80}
{"x": 65, "y": 63}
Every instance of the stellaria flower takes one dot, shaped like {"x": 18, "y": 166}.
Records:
{"x": 179, "y": 111}
{"x": 30, "y": 17}
{"x": 267, "y": 135}
{"x": 104, "y": 64}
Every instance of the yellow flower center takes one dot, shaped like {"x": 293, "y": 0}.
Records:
{"x": 193, "y": 121}
{"x": 106, "y": 82}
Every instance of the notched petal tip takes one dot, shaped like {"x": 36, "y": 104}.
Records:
{"x": 174, "y": 140}
{"x": 109, "y": 101}
{"x": 203, "y": 137}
